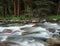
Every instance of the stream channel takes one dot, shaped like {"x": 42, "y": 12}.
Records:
{"x": 28, "y": 34}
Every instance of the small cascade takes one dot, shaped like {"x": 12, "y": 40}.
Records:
{"x": 29, "y": 34}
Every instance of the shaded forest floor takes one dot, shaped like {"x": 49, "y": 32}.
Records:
{"x": 23, "y": 17}
{"x": 54, "y": 17}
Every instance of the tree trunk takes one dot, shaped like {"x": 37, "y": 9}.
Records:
{"x": 4, "y": 8}
{"x": 58, "y": 11}
{"x": 18, "y": 7}
{"x": 14, "y": 7}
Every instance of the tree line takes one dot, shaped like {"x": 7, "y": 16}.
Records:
{"x": 34, "y": 8}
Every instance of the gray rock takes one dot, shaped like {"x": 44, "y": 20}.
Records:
{"x": 7, "y": 31}
{"x": 53, "y": 41}
{"x": 51, "y": 30}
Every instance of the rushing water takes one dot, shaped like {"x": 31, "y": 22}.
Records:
{"x": 36, "y": 34}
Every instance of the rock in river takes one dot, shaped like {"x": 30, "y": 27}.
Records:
{"x": 7, "y": 31}
{"x": 53, "y": 41}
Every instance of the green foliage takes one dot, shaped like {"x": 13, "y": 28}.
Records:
{"x": 11, "y": 17}
{"x": 43, "y": 7}
{"x": 43, "y": 2}
{"x": 54, "y": 17}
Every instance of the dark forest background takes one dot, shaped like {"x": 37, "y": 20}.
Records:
{"x": 30, "y": 8}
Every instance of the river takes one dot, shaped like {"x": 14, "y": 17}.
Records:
{"x": 29, "y": 34}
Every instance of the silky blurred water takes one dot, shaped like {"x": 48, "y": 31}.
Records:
{"x": 36, "y": 34}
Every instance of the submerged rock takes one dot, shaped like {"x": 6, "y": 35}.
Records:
{"x": 23, "y": 33}
{"x": 7, "y": 31}
{"x": 8, "y": 43}
{"x": 2, "y": 44}
{"x": 51, "y": 30}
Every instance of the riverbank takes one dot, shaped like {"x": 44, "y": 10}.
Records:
{"x": 23, "y": 20}
{"x": 27, "y": 21}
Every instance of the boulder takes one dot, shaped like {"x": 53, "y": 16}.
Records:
{"x": 33, "y": 21}
{"x": 3, "y": 44}
{"x": 53, "y": 41}
{"x": 9, "y": 43}
{"x": 24, "y": 33}
{"x": 51, "y": 30}
{"x": 7, "y": 31}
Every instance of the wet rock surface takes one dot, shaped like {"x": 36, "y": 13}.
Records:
{"x": 7, "y": 31}
{"x": 51, "y": 30}
{"x": 53, "y": 42}
{"x": 26, "y": 21}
